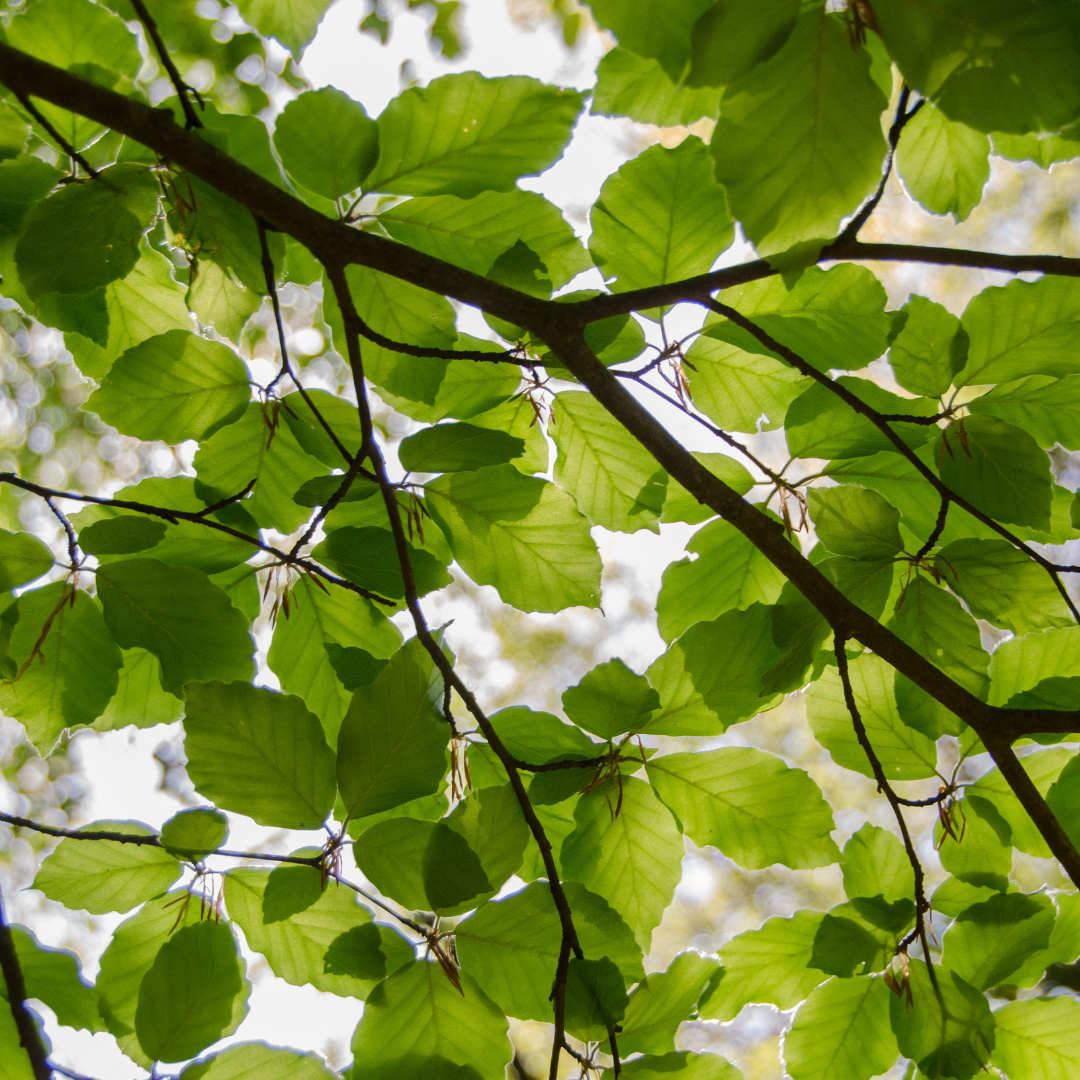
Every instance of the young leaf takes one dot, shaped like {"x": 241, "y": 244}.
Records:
{"x": 730, "y": 573}
{"x": 296, "y": 947}
{"x": 637, "y": 87}
{"x": 989, "y": 941}
{"x": 521, "y": 534}
{"x": 875, "y": 864}
{"x": 659, "y": 1004}
{"x": 662, "y": 217}
{"x": 464, "y": 134}
{"x": 771, "y": 142}
{"x": 1038, "y": 1039}
{"x": 392, "y": 744}
{"x": 855, "y": 522}
{"x": 998, "y": 468}
{"x": 306, "y": 154}
{"x": 258, "y": 752}
{"x": 87, "y": 235}
{"x": 67, "y": 663}
{"x": 611, "y": 700}
{"x": 457, "y": 448}
{"x": 929, "y": 350}
{"x": 842, "y": 1032}
{"x": 944, "y": 164}
{"x": 904, "y": 753}
{"x": 417, "y": 1022}
{"x": 749, "y": 804}
{"x": 771, "y": 965}
{"x": 180, "y": 616}
{"x": 192, "y": 834}
{"x": 946, "y": 1032}
{"x": 187, "y": 997}
{"x": 173, "y": 387}
{"x": 633, "y": 860}
{"x": 104, "y": 875}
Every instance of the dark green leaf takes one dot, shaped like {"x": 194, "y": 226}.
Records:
{"x": 457, "y": 448}
{"x": 121, "y": 535}
{"x": 342, "y": 417}
{"x": 611, "y": 700}
{"x": 595, "y": 998}
{"x": 660, "y": 33}
{"x": 855, "y": 522}
{"x": 929, "y": 350}
{"x": 369, "y": 557}
{"x": 729, "y": 40}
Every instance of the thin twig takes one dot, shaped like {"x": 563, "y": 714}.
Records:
{"x": 939, "y": 528}
{"x": 68, "y": 149}
{"x": 29, "y": 1036}
{"x": 191, "y": 117}
{"x": 922, "y": 906}
{"x": 72, "y": 542}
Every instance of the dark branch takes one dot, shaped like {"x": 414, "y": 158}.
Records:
{"x": 32, "y": 109}
{"x": 72, "y": 542}
{"x": 191, "y": 117}
{"x": 939, "y": 528}
{"x": 29, "y": 1036}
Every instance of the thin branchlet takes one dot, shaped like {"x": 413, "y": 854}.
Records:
{"x": 184, "y": 90}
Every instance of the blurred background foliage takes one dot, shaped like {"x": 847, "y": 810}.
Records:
{"x": 508, "y": 656}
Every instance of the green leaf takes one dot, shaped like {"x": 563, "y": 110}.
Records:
{"x": 121, "y": 535}
{"x": 680, "y": 505}
{"x": 173, "y": 387}
{"x": 729, "y": 573}
{"x": 946, "y": 1032}
{"x": 416, "y": 1022}
{"x": 1043, "y": 147}
{"x": 306, "y": 154}
{"x": 23, "y": 558}
{"x": 369, "y": 557}
{"x": 1037, "y": 1040}
{"x": 637, "y": 87}
{"x": 904, "y": 753}
{"x": 611, "y": 700}
{"x": 193, "y": 834}
{"x": 1046, "y": 408}
{"x": 685, "y": 1065}
{"x": 944, "y": 164}
{"x": 729, "y": 40}
{"x": 296, "y": 947}
{"x": 1064, "y": 944}
{"x": 474, "y": 232}
{"x": 180, "y": 616}
{"x": 1023, "y": 662}
{"x": 855, "y": 522}
{"x": 595, "y": 998}
{"x": 698, "y": 696}
{"x": 292, "y": 22}
{"x": 490, "y": 820}
{"x": 68, "y": 32}
{"x": 875, "y": 864}
{"x": 933, "y": 623}
{"x": 318, "y": 628}
{"x": 662, "y": 34}
{"x": 998, "y": 468}
{"x": 1023, "y": 328}
{"x": 661, "y": 218}
{"x": 257, "y": 1059}
{"x": 633, "y": 860}
{"x": 54, "y": 977}
{"x": 139, "y": 697}
{"x": 68, "y": 662}
{"x": 15, "y": 1060}
{"x": 789, "y": 176}
{"x": 929, "y": 350}
{"x": 522, "y": 535}
{"x": 749, "y": 804}
{"x": 991, "y": 65}
{"x": 392, "y": 744}
{"x": 255, "y": 448}
{"x": 614, "y": 480}
{"x": 219, "y": 300}
{"x": 1063, "y": 798}
{"x": 819, "y": 424}
{"x": 769, "y": 965}
{"x": 87, "y": 235}
{"x": 463, "y": 134}
{"x": 186, "y": 998}
{"x": 737, "y": 388}
{"x": 104, "y": 875}
{"x": 842, "y": 1032}
{"x": 989, "y": 941}
{"x": 511, "y": 946}
{"x": 457, "y": 448}
{"x": 659, "y": 1004}
{"x": 539, "y": 737}
{"x": 291, "y": 889}
{"x": 423, "y": 865}
{"x": 1003, "y": 585}
{"x": 258, "y": 752}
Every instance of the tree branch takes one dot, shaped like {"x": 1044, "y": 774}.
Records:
{"x": 191, "y": 117}
{"x": 32, "y": 109}
{"x": 29, "y": 1036}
